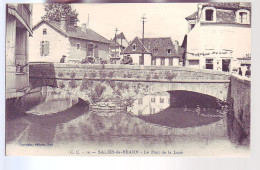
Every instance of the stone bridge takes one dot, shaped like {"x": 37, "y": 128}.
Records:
{"x": 97, "y": 82}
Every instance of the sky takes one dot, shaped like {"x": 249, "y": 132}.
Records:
{"x": 163, "y": 20}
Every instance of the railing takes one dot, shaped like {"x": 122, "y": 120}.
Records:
{"x": 24, "y": 12}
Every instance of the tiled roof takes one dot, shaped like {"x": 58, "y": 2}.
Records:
{"x": 76, "y": 32}
{"x": 229, "y": 5}
{"x": 139, "y": 47}
{"x": 192, "y": 16}
{"x": 162, "y": 44}
{"x": 156, "y": 46}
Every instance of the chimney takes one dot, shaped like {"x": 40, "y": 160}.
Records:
{"x": 176, "y": 46}
{"x": 63, "y": 23}
{"x": 84, "y": 27}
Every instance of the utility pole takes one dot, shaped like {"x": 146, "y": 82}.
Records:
{"x": 115, "y": 40}
{"x": 142, "y": 59}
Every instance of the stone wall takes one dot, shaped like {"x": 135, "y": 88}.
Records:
{"x": 126, "y": 72}
{"x": 240, "y": 97}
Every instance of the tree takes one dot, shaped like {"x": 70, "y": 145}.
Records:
{"x": 55, "y": 11}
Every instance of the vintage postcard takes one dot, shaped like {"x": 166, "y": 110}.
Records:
{"x": 154, "y": 79}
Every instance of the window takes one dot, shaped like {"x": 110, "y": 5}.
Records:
{"x": 44, "y": 31}
{"x": 155, "y": 50}
{"x": 44, "y": 48}
{"x": 162, "y": 61}
{"x": 209, "y": 63}
{"x": 153, "y": 100}
{"x": 170, "y": 61}
{"x": 161, "y": 100}
{"x": 78, "y": 46}
{"x": 153, "y": 61}
{"x": 169, "y": 51}
{"x": 90, "y": 49}
{"x": 141, "y": 60}
{"x": 243, "y": 17}
{"x": 134, "y": 47}
{"x": 209, "y": 14}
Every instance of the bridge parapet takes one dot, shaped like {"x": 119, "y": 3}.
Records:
{"x": 125, "y": 72}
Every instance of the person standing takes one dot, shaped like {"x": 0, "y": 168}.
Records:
{"x": 240, "y": 71}
{"x": 248, "y": 72}
{"x": 62, "y": 60}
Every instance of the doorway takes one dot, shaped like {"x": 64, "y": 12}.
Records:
{"x": 226, "y": 65}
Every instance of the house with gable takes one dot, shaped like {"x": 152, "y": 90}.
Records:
{"x": 154, "y": 51}
{"x": 52, "y": 40}
{"x": 219, "y": 36}
{"x": 117, "y": 45}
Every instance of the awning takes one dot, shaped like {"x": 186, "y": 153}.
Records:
{"x": 13, "y": 12}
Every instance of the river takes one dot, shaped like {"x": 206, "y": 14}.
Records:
{"x": 59, "y": 123}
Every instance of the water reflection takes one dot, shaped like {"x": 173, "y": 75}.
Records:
{"x": 150, "y": 104}
{"x": 162, "y": 126}
{"x": 155, "y": 108}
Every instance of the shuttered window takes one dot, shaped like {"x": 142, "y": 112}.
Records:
{"x": 44, "y": 48}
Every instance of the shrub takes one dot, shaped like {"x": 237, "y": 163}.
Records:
{"x": 112, "y": 84}
{"x": 148, "y": 76}
{"x": 84, "y": 85}
{"x": 169, "y": 75}
{"x": 156, "y": 76}
{"x": 127, "y": 86}
{"x": 110, "y": 74}
{"x": 93, "y": 74}
{"x": 102, "y": 74}
{"x": 73, "y": 74}
{"x": 99, "y": 89}
{"x": 129, "y": 75}
{"x": 120, "y": 85}
{"x": 73, "y": 84}
{"x": 60, "y": 74}
{"x": 61, "y": 84}
{"x": 85, "y": 74}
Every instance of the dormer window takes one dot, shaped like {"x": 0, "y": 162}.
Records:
{"x": 243, "y": 16}
{"x": 209, "y": 14}
{"x": 149, "y": 46}
{"x": 134, "y": 47}
{"x": 155, "y": 50}
{"x": 44, "y": 31}
{"x": 169, "y": 51}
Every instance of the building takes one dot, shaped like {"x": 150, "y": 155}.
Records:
{"x": 18, "y": 29}
{"x": 117, "y": 45}
{"x": 52, "y": 40}
{"x": 154, "y": 51}
{"x": 219, "y": 36}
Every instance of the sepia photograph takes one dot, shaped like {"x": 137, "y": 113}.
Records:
{"x": 128, "y": 79}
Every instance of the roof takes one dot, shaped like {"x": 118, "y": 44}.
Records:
{"x": 192, "y": 16}
{"x": 120, "y": 36}
{"x": 156, "y": 46}
{"x": 74, "y": 32}
{"x": 229, "y": 5}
